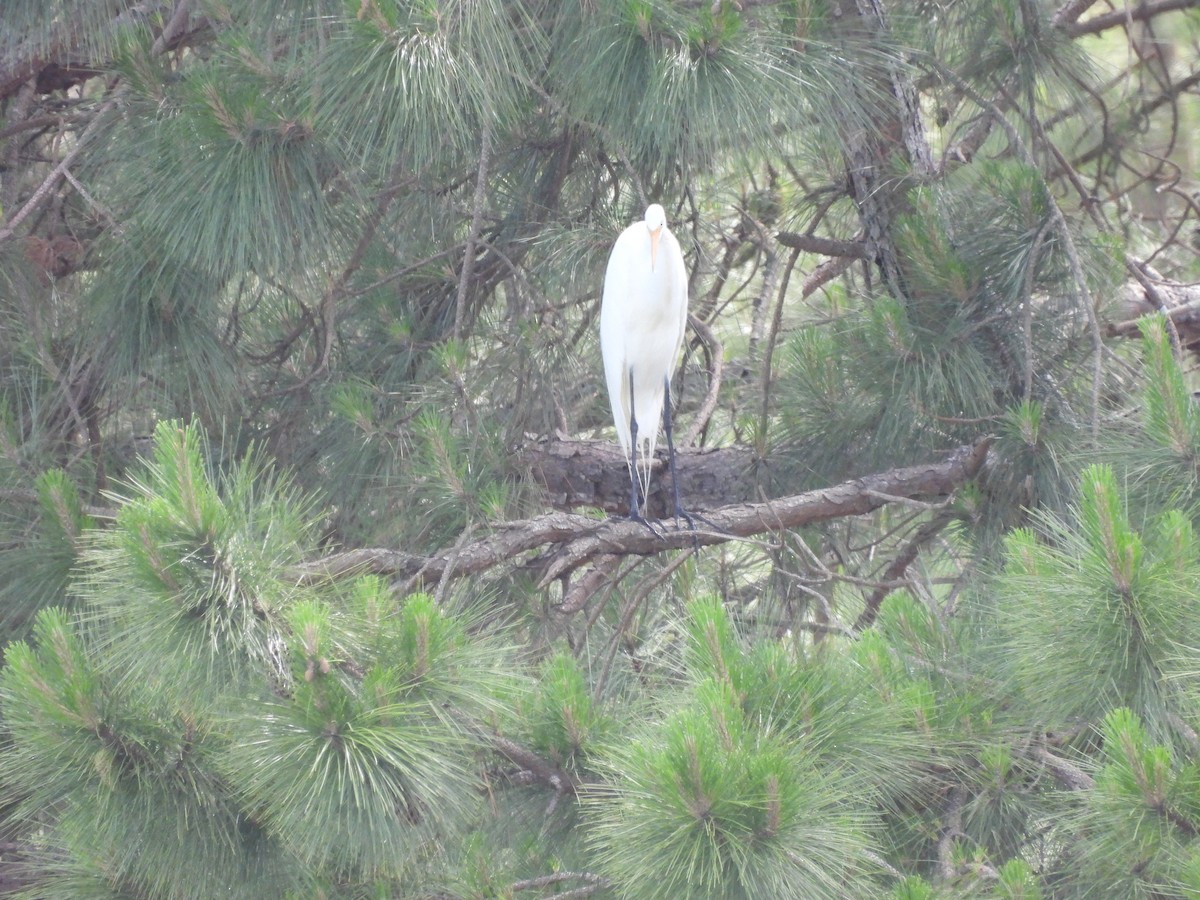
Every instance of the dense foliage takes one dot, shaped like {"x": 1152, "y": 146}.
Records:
{"x": 280, "y": 280}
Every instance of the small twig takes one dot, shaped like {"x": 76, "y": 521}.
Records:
{"x": 773, "y": 337}
{"x": 56, "y": 174}
{"x": 477, "y": 204}
{"x": 951, "y": 830}
{"x": 337, "y": 288}
{"x": 542, "y": 881}
{"x": 1027, "y": 311}
{"x": 627, "y": 614}
{"x": 439, "y": 596}
{"x": 716, "y": 353}
{"x": 117, "y": 228}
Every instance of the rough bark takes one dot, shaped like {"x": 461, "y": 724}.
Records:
{"x": 594, "y": 474}
{"x": 883, "y": 135}
{"x": 563, "y": 542}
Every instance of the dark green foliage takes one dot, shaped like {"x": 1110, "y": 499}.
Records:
{"x": 36, "y": 574}
{"x": 128, "y": 781}
{"x": 287, "y": 287}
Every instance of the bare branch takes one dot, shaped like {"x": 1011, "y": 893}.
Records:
{"x": 543, "y": 881}
{"x": 1125, "y": 15}
{"x": 175, "y": 26}
{"x": 716, "y": 353}
{"x": 1069, "y": 12}
{"x": 810, "y": 243}
{"x": 542, "y": 769}
{"x": 583, "y": 589}
{"x": 1065, "y": 773}
{"x": 51, "y": 181}
{"x": 576, "y": 540}
{"x": 896, "y": 569}
{"x": 477, "y": 205}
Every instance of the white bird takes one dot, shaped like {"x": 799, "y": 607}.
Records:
{"x": 642, "y": 317}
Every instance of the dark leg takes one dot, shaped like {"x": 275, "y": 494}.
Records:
{"x": 633, "y": 481}
{"x": 680, "y": 512}
{"x": 634, "y": 513}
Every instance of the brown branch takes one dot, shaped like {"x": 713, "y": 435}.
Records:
{"x": 1065, "y": 773}
{"x": 953, "y": 819}
{"x": 899, "y": 566}
{"x": 716, "y": 353}
{"x": 1178, "y": 302}
{"x": 175, "y": 26}
{"x": 1125, "y": 15}
{"x": 51, "y": 181}
{"x": 773, "y": 339}
{"x": 810, "y": 243}
{"x": 823, "y": 274}
{"x": 593, "y": 882}
{"x": 582, "y": 590}
{"x": 473, "y": 236}
{"x": 542, "y": 769}
{"x": 36, "y": 122}
{"x": 570, "y": 541}
{"x": 1069, "y": 12}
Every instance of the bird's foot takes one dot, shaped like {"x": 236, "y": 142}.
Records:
{"x": 638, "y": 517}
{"x": 681, "y": 513}
{"x": 693, "y": 518}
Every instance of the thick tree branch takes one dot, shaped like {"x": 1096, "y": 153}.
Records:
{"x": 1065, "y": 773}
{"x": 593, "y": 474}
{"x": 569, "y": 541}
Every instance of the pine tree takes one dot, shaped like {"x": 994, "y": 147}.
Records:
{"x": 302, "y": 400}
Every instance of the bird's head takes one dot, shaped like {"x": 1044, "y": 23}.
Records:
{"x": 656, "y": 221}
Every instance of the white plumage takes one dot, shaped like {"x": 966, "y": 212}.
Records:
{"x": 642, "y": 317}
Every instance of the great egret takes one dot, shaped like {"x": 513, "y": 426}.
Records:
{"x": 642, "y": 317}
